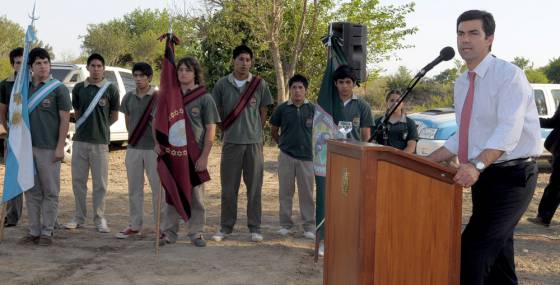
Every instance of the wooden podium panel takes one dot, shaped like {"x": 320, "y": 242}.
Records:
{"x": 391, "y": 218}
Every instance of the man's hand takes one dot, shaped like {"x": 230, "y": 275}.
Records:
{"x": 201, "y": 164}
{"x": 58, "y": 154}
{"x": 158, "y": 149}
{"x": 466, "y": 175}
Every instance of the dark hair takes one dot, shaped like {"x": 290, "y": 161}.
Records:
{"x": 38, "y": 53}
{"x": 95, "y": 56}
{"x": 298, "y": 78}
{"x": 488, "y": 24}
{"x": 17, "y": 52}
{"x": 193, "y": 64}
{"x": 391, "y": 92}
{"x": 242, "y": 49}
{"x": 143, "y": 67}
{"x": 344, "y": 71}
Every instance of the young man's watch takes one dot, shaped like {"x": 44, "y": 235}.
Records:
{"x": 479, "y": 165}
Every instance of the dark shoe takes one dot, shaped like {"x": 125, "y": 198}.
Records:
{"x": 539, "y": 221}
{"x": 198, "y": 241}
{"x": 28, "y": 239}
{"x": 7, "y": 224}
{"x": 163, "y": 240}
{"x": 45, "y": 240}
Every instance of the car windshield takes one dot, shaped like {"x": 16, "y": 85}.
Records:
{"x": 59, "y": 73}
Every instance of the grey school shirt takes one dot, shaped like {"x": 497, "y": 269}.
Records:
{"x": 201, "y": 112}
{"x": 44, "y": 121}
{"x": 246, "y": 129}
{"x": 134, "y": 107}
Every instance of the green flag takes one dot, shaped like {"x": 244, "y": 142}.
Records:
{"x": 327, "y": 115}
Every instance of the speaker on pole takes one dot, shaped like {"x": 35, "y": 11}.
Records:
{"x": 354, "y": 39}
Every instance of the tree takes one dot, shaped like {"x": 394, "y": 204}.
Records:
{"x": 522, "y": 62}
{"x": 400, "y": 79}
{"x": 292, "y": 29}
{"x": 552, "y": 70}
{"x": 536, "y": 76}
{"x": 12, "y": 36}
{"x": 108, "y": 39}
{"x": 447, "y": 76}
{"x": 134, "y": 37}
{"x": 386, "y": 25}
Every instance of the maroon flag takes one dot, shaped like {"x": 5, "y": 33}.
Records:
{"x": 173, "y": 163}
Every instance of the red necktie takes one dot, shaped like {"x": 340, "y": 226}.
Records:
{"x": 466, "y": 121}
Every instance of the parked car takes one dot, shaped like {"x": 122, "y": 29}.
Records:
{"x": 71, "y": 74}
{"x": 437, "y": 125}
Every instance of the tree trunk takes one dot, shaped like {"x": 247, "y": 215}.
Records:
{"x": 279, "y": 70}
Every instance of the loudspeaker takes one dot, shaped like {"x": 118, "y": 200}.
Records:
{"x": 354, "y": 38}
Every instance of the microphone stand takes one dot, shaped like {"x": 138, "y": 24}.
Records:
{"x": 381, "y": 130}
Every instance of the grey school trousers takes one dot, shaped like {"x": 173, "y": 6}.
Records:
{"x": 86, "y": 156}
{"x": 237, "y": 160}
{"x": 42, "y": 199}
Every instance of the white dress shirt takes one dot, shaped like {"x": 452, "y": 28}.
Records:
{"x": 504, "y": 115}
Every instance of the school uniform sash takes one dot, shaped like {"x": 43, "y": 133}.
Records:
{"x": 193, "y": 149}
{"x": 140, "y": 128}
{"x": 42, "y": 93}
{"x": 242, "y": 103}
{"x": 92, "y": 104}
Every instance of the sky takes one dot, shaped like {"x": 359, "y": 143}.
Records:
{"x": 523, "y": 28}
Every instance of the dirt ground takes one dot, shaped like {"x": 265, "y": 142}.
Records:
{"x": 84, "y": 256}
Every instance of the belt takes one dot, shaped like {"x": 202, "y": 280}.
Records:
{"x": 513, "y": 162}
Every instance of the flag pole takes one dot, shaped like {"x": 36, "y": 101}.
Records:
{"x": 158, "y": 222}
{"x": 158, "y": 219}
{"x": 320, "y": 223}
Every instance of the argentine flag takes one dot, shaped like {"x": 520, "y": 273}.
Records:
{"x": 19, "y": 175}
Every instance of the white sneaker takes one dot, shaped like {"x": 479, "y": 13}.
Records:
{"x": 283, "y": 231}
{"x": 72, "y": 225}
{"x": 219, "y": 236}
{"x": 322, "y": 249}
{"x": 102, "y": 227}
{"x": 309, "y": 235}
{"x": 256, "y": 237}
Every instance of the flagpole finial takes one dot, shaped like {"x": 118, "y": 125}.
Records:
{"x": 170, "y": 18}
{"x": 32, "y": 16}
{"x": 170, "y": 23}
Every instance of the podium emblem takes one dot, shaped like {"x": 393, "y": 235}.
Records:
{"x": 345, "y": 181}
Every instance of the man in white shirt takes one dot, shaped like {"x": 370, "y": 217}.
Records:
{"x": 498, "y": 137}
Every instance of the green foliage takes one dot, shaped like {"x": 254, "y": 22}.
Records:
{"x": 221, "y": 32}
{"x": 211, "y": 37}
{"x": 135, "y": 37}
{"x": 386, "y": 25}
{"x": 399, "y": 80}
{"x": 447, "y": 76}
{"x": 536, "y": 76}
{"x": 428, "y": 93}
{"x": 11, "y": 34}
{"x": 5, "y": 67}
{"x": 522, "y": 62}
{"x": 552, "y": 70}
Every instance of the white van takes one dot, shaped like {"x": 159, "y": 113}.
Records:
{"x": 71, "y": 74}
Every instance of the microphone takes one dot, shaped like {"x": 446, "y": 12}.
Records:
{"x": 445, "y": 54}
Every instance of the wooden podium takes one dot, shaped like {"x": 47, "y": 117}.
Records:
{"x": 391, "y": 218}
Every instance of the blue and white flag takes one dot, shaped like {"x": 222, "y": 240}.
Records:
{"x": 20, "y": 170}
